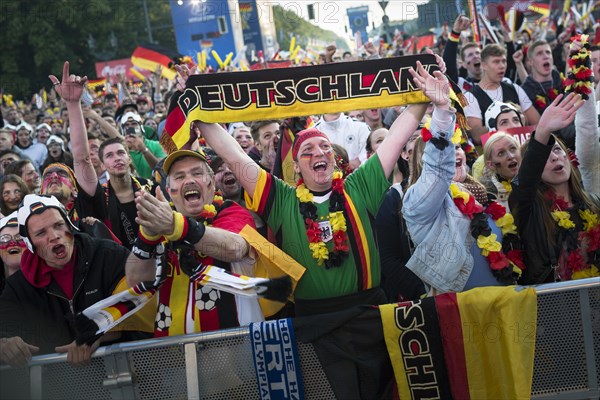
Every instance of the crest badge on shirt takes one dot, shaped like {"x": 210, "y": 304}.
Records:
{"x": 350, "y": 138}
{"x": 326, "y": 232}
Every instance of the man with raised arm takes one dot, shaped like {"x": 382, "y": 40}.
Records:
{"x": 113, "y": 202}
{"x": 324, "y": 223}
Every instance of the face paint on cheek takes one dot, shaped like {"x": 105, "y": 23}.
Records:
{"x": 65, "y": 181}
{"x": 174, "y": 193}
{"x": 12, "y": 243}
{"x": 328, "y": 151}
{"x": 305, "y": 156}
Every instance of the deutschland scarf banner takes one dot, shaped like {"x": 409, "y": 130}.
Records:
{"x": 477, "y": 344}
{"x": 292, "y": 92}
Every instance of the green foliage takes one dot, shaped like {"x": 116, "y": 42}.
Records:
{"x": 288, "y": 23}
{"x": 39, "y": 35}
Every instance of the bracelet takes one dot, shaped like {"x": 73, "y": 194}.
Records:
{"x": 144, "y": 249}
{"x": 145, "y": 151}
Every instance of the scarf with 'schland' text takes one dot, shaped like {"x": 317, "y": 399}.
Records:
{"x": 281, "y": 93}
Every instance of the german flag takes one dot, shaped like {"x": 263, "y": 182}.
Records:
{"x": 540, "y": 8}
{"x": 150, "y": 59}
{"x": 477, "y": 344}
{"x": 96, "y": 85}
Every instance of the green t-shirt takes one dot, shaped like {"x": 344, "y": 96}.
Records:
{"x": 276, "y": 202}
{"x": 140, "y": 163}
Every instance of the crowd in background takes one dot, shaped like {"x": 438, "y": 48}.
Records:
{"x": 438, "y": 207}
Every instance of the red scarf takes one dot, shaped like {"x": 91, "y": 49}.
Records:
{"x": 40, "y": 275}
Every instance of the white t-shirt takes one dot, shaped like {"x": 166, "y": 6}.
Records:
{"x": 473, "y": 110}
{"x": 349, "y": 133}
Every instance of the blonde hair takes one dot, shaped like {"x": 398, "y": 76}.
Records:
{"x": 489, "y": 148}
{"x": 416, "y": 161}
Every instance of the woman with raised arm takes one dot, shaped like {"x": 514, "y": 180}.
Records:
{"x": 459, "y": 235}
{"x": 325, "y": 222}
{"x": 558, "y": 218}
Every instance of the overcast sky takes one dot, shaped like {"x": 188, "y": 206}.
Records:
{"x": 331, "y": 15}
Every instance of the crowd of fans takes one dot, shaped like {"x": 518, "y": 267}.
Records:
{"x": 384, "y": 205}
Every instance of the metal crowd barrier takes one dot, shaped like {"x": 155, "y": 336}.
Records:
{"x": 219, "y": 365}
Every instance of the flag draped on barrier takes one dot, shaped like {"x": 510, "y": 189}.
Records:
{"x": 292, "y": 92}
{"x": 477, "y": 344}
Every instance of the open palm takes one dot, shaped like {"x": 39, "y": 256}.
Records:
{"x": 559, "y": 114}
{"x": 435, "y": 86}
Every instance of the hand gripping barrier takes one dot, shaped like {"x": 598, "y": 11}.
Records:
{"x": 219, "y": 365}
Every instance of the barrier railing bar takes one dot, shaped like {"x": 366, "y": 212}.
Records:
{"x": 35, "y": 382}
{"x": 588, "y": 338}
{"x": 565, "y": 286}
{"x": 191, "y": 372}
{"x": 145, "y": 345}
{"x": 577, "y": 395}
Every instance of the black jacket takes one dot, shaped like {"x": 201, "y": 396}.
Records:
{"x": 526, "y": 207}
{"x": 44, "y": 316}
{"x": 393, "y": 242}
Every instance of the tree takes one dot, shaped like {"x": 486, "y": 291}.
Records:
{"x": 39, "y": 35}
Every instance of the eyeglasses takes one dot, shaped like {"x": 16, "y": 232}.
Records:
{"x": 6, "y": 239}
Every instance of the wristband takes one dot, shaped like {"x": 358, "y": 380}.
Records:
{"x": 144, "y": 249}
{"x": 179, "y": 227}
{"x": 195, "y": 231}
{"x": 187, "y": 230}
{"x": 454, "y": 36}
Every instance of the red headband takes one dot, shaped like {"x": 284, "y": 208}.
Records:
{"x": 302, "y": 136}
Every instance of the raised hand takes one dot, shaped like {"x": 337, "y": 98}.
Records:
{"x": 371, "y": 49}
{"x": 439, "y": 60}
{"x": 435, "y": 86}
{"x": 183, "y": 73}
{"x": 560, "y": 113}
{"x": 71, "y": 87}
{"x": 461, "y": 23}
{"x": 518, "y": 56}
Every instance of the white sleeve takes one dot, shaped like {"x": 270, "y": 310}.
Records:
{"x": 472, "y": 109}
{"x": 524, "y": 100}
{"x": 363, "y": 137}
{"x": 587, "y": 145}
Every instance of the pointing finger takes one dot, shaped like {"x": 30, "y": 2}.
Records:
{"x": 65, "y": 75}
